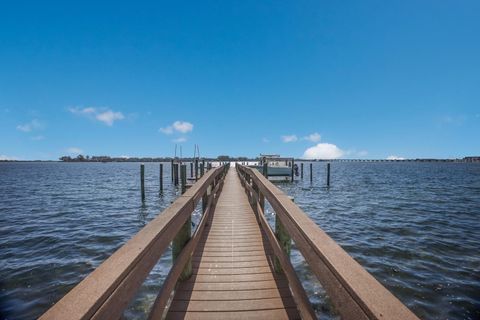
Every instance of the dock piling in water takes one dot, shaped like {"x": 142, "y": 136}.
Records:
{"x": 161, "y": 177}
{"x": 301, "y": 170}
{"x": 328, "y": 174}
{"x": 142, "y": 181}
{"x": 183, "y": 177}
{"x": 191, "y": 169}
{"x": 311, "y": 172}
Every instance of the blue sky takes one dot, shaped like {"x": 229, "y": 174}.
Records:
{"x": 351, "y": 79}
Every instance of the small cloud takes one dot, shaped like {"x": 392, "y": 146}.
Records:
{"x": 323, "y": 151}
{"x": 289, "y": 138}
{"x": 182, "y": 126}
{"x": 265, "y": 140}
{"x": 177, "y": 126}
{"x": 38, "y": 138}
{"x": 362, "y": 153}
{"x": 166, "y": 130}
{"x": 30, "y": 126}
{"x": 395, "y": 158}
{"x": 74, "y": 150}
{"x": 104, "y": 115}
{"x": 179, "y": 140}
{"x": 109, "y": 117}
{"x": 7, "y": 158}
{"x": 314, "y": 137}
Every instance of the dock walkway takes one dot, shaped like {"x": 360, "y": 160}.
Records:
{"x": 233, "y": 274}
{"x": 233, "y": 265}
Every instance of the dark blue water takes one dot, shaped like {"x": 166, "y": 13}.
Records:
{"x": 414, "y": 226}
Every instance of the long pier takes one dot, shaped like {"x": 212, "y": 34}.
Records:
{"x": 233, "y": 265}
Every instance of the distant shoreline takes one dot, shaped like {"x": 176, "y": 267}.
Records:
{"x": 105, "y": 160}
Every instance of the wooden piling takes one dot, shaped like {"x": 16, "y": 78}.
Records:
{"x": 311, "y": 172}
{"x": 171, "y": 169}
{"x": 328, "y": 174}
{"x": 301, "y": 170}
{"x": 202, "y": 169}
{"x": 183, "y": 177}
{"x": 142, "y": 181}
{"x": 196, "y": 169}
{"x": 265, "y": 170}
{"x": 284, "y": 240}
{"x": 293, "y": 173}
{"x": 175, "y": 174}
{"x": 161, "y": 177}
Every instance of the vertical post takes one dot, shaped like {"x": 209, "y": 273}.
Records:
{"x": 142, "y": 181}
{"x": 328, "y": 174}
{"x": 202, "y": 169}
{"x": 161, "y": 177}
{"x": 283, "y": 238}
{"x": 175, "y": 173}
{"x": 293, "y": 163}
{"x": 311, "y": 174}
{"x": 196, "y": 169}
{"x": 191, "y": 169}
{"x": 265, "y": 170}
{"x": 171, "y": 169}
{"x": 184, "y": 234}
{"x": 205, "y": 198}
{"x": 183, "y": 176}
{"x": 301, "y": 170}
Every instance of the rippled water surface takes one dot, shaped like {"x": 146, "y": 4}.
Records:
{"x": 414, "y": 226}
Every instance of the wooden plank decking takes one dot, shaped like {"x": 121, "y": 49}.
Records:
{"x": 233, "y": 275}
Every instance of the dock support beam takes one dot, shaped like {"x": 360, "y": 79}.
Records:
{"x": 284, "y": 240}
{"x": 184, "y": 234}
{"x": 142, "y": 181}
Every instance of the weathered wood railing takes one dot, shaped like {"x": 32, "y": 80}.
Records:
{"x": 354, "y": 292}
{"x": 107, "y": 291}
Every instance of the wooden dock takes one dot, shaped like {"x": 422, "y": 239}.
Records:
{"x": 233, "y": 275}
{"x": 233, "y": 266}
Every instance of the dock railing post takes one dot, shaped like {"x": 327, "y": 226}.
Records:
{"x": 301, "y": 170}
{"x": 183, "y": 235}
{"x": 284, "y": 240}
{"x": 161, "y": 177}
{"x": 328, "y": 174}
{"x": 142, "y": 181}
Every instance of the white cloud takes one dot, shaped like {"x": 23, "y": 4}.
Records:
{"x": 314, "y": 137}
{"x": 181, "y": 139}
{"x": 182, "y": 126}
{"x": 265, "y": 140}
{"x": 104, "y": 115}
{"x": 7, "y": 158}
{"x": 108, "y": 117}
{"x": 323, "y": 151}
{"x": 289, "y": 138}
{"x": 362, "y": 153}
{"x": 392, "y": 157}
{"x": 166, "y": 130}
{"x": 177, "y": 126}
{"x": 38, "y": 138}
{"x": 74, "y": 150}
{"x": 30, "y": 126}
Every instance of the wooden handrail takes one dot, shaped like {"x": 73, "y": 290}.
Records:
{"x": 107, "y": 291}
{"x": 355, "y": 293}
